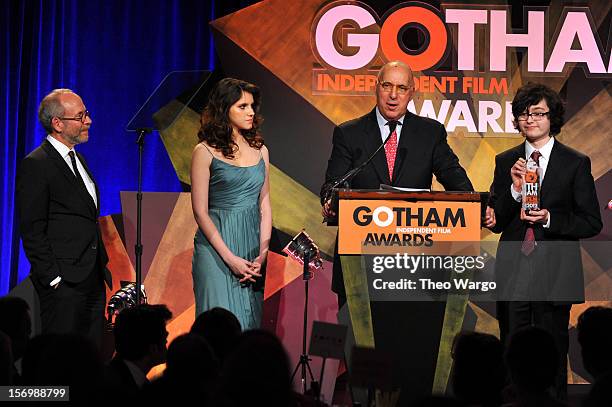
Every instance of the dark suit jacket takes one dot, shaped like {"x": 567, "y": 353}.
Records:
{"x": 118, "y": 380}
{"x": 568, "y": 193}
{"x": 421, "y": 152}
{"x": 58, "y": 219}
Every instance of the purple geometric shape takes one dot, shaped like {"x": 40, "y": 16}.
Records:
{"x": 157, "y": 207}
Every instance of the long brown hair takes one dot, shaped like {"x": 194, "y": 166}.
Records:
{"x": 216, "y": 129}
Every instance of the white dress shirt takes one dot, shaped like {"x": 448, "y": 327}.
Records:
{"x": 545, "y": 152}
{"x": 63, "y": 151}
{"x": 384, "y": 129}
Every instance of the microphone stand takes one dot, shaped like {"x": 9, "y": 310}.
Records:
{"x": 142, "y": 132}
{"x": 303, "y": 363}
{"x": 346, "y": 178}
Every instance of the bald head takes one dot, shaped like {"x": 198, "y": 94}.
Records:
{"x": 51, "y": 106}
{"x": 394, "y": 89}
{"x": 63, "y": 115}
{"x": 395, "y": 65}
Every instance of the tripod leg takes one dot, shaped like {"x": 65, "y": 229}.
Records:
{"x": 295, "y": 370}
{"x": 309, "y": 369}
{"x": 349, "y": 385}
{"x": 318, "y": 395}
{"x": 304, "y": 365}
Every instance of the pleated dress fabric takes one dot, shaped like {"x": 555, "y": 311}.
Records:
{"x": 233, "y": 206}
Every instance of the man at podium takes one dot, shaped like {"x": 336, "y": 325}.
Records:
{"x": 415, "y": 148}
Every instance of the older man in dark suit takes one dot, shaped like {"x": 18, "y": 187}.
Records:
{"x": 417, "y": 148}
{"x": 415, "y": 151}
{"x": 58, "y": 206}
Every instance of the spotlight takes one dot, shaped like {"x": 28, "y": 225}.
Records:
{"x": 302, "y": 246}
{"x": 124, "y": 298}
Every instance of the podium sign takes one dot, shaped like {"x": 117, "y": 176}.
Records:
{"x": 400, "y": 224}
{"x": 384, "y": 224}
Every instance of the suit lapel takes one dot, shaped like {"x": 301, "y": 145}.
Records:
{"x": 58, "y": 161}
{"x": 94, "y": 182}
{"x": 69, "y": 175}
{"x": 373, "y": 141}
{"x": 402, "y": 147}
{"x": 521, "y": 152}
{"x": 553, "y": 169}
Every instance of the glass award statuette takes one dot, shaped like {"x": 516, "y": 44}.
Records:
{"x": 531, "y": 186}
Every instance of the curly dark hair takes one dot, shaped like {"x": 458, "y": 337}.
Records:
{"x": 531, "y": 94}
{"x": 216, "y": 128}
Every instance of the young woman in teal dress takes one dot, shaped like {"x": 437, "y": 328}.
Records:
{"x": 230, "y": 196}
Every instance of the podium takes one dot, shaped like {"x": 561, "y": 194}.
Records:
{"x": 417, "y": 333}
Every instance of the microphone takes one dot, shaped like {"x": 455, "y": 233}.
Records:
{"x": 346, "y": 178}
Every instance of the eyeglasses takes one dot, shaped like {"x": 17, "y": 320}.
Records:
{"x": 400, "y": 89}
{"x": 536, "y": 116}
{"x": 79, "y": 117}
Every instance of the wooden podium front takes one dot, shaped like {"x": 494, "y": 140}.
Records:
{"x": 417, "y": 334}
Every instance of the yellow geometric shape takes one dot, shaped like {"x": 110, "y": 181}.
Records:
{"x": 481, "y": 167}
{"x": 180, "y": 137}
{"x": 295, "y": 208}
{"x": 358, "y": 300}
{"x": 485, "y": 322}
{"x": 489, "y": 243}
{"x": 454, "y": 314}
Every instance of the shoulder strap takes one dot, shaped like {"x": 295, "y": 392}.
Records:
{"x": 204, "y": 144}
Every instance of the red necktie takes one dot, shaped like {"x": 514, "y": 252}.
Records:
{"x": 529, "y": 242}
{"x": 391, "y": 148}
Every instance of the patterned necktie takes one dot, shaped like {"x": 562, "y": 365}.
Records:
{"x": 391, "y": 147}
{"x": 529, "y": 242}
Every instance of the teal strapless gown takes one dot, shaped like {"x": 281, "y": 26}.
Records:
{"x": 233, "y": 205}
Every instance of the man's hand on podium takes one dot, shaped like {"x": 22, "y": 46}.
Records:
{"x": 327, "y": 211}
{"x": 489, "y": 220}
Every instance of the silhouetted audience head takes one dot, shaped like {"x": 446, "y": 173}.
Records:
{"x": 191, "y": 359}
{"x": 141, "y": 335}
{"x": 191, "y": 372}
{"x": 64, "y": 360}
{"x": 478, "y": 371}
{"x": 220, "y": 328}
{"x": 601, "y": 392}
{"x": 256, "y": 373}
{"x": 16, "y": 323}
{"x": 532, "y": 358}
{"x": 595, "y": 338}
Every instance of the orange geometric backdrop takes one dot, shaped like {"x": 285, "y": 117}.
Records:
{"x": 273, "y": 44}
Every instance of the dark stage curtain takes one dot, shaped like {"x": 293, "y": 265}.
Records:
{"x": 112, "y": 53}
